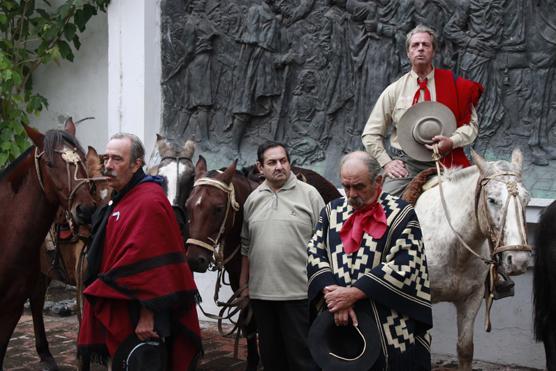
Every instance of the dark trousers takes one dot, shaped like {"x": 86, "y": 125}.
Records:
{"x": 283, "y": 327}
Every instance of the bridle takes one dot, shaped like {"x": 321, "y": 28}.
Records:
{"x": 216, "y": 245}
{"x": 493, "y": 232}
{"x": 70, "y": 157}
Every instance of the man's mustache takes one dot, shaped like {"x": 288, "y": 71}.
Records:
{"x": 355, "y": 201}
{"x": 110, "y": 173}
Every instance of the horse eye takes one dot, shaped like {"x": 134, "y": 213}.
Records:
{"x": 219, "y": 210}
{"x": 491, "y": 201}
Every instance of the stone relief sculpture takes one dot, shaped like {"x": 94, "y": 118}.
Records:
{"x": 237, "y": 72}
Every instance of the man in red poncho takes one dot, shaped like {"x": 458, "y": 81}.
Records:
{"x": 137, "y": 282}
{"x": 422, "y": 83}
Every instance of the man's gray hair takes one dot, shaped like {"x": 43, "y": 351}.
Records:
{"x": 370, "y": 162}
{"x": 137, "y": 148}
{"x": 422, "y": 29}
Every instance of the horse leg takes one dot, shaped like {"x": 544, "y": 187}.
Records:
{"x": 36, "y": 301}
{"x": 466, "y": 314}
{"x": 9, "y": 316}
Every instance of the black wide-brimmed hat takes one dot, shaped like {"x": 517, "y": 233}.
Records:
{"x": 345, "y": 348}
{"x": 136, "y": 355}
{"x": 420, "y": 123}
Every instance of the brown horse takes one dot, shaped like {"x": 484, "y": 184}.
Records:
{"x": 215, "y": 213}
{"x": 49, "y": 175}
{"x": 63, "y": 265}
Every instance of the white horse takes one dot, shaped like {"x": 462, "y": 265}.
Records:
{"x": 485, "y": 204}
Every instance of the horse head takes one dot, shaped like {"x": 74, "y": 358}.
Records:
{"x": 177, "y": 169}
{"x": 61, "y": 172}
{"x": 211, "y": 210}
{"x": 501, "y": 200}
{"x": 95, "y": 167}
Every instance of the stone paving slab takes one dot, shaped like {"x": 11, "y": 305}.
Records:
{"x": 62, "y": 331}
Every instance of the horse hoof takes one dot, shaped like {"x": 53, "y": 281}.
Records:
{"x": 48, "y": 365}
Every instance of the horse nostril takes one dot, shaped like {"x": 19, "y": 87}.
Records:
{"x": 84, "y": 213}
{"x": 203, "y": 262}
{"x": 509, "y": 260}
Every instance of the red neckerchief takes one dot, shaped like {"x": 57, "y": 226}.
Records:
{"x": 370, "y": 219}
{"x": 422, "y": 86}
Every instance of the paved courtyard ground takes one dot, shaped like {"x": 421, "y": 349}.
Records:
{"x": 62, "y": 331}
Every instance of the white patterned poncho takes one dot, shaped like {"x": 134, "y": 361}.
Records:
{"x": 391, "y": 271}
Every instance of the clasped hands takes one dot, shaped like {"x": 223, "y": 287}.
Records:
{"x": 340, "y": 300}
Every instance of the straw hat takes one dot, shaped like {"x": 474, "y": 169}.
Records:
{"x": 420, "y": 124}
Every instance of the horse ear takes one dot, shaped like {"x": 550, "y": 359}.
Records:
{"x": 517, "y": 159}
{"x": 93, "y": 160}
{"x": 69, "y": 126}
{"x": 36, "y": 136}
{"x": 200, "y": 167}
{"x": 229, "y": 173}
{"x": 189, "y": 148}
{"x": 479, "y": 161}
{"x": 161, "y": 144}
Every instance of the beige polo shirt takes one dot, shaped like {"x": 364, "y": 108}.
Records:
{"x": 276, "y": 229}
{"x": 389, "y": 109}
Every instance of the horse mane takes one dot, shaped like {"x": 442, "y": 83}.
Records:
{"x": 15, "y": 163}
{"x": 544, "y": 278}
{"x": 56, "y": 138}
{"x": 456, "y": 174}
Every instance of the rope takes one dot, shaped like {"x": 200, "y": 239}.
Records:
{"x": 360, "y": 354}
{"x": 436, "y": 157}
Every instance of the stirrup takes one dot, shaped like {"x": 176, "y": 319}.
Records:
{"x": 504, "y": 286}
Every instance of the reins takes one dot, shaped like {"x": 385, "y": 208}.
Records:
{"x": 494, "y": 238}
{"x": 436, "y": 158}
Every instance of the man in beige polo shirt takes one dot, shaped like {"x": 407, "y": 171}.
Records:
{"x": 278, "y": 221}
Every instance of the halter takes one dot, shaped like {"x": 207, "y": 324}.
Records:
{"x": 70, "y": 157}
{"x": 216, "y": 246}
{"x": 495, "y": 232}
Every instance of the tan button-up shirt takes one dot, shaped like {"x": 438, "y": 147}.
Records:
{"x": 389, "y": 109}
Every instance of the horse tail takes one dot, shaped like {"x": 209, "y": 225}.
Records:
{"x": 544, "y": 277}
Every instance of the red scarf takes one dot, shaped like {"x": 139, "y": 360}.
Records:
{"x": 460, "y": 95}
{"x": 370, "y": 218}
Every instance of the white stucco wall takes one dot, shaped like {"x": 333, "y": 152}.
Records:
{"x": 78, "y": 89}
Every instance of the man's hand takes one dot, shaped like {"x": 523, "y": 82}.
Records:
{"x": 395, "y": 169}
{"x": 145, "y": 326}
{"x": 341, "y": 298}
{"x": 445, "y": 144}
{"x": 341, "y": 317}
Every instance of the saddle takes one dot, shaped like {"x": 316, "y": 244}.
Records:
{"x": 422, "y": 182}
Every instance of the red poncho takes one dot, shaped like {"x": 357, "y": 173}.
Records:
{"x": 143, "y": 264}
{"x": 460, "y": 95}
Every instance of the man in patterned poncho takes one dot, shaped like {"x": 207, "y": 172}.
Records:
{"x": 367, "y": 246}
